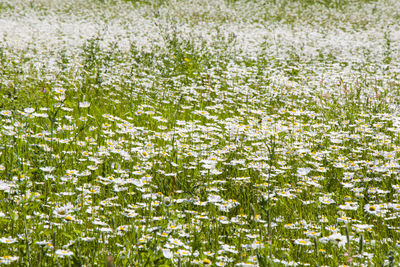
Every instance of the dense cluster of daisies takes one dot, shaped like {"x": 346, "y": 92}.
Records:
{"x": 185, "y": 133}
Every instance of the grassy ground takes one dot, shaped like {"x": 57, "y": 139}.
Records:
{"x": 211, "y": 133}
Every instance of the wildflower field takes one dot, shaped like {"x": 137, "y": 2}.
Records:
{"x": 199, "y": 133}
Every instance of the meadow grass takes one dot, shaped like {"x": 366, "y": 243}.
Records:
{"x": 210, "y": 133}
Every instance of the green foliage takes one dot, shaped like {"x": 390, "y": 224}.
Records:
{"x": 195, "y": 151}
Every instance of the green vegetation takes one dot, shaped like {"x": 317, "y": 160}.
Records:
{"x": 193, "y": 133}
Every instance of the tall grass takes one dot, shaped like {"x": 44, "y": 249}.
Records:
{"x": 190, "y": 133}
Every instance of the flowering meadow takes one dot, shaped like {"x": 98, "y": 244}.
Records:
{"x": 199, "y": 133}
